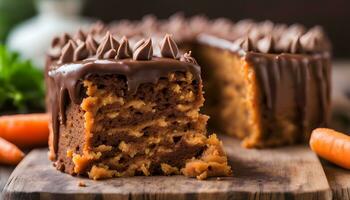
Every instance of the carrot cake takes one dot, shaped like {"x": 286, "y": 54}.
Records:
{"x": 120, "y": 112}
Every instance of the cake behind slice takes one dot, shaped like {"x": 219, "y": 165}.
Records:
{"x": 114, "y": 115}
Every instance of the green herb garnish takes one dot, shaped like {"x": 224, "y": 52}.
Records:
{"x": 21, "y": 84}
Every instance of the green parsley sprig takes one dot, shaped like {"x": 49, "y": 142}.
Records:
{"x": 21, "y": 84}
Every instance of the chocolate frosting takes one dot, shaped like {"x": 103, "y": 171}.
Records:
{"x": 245, "y": 44}
{"x": 81, "y": 52}
{"x": 80, "y": 35}
{"x": 124, "y": 50}
{"x": 265, "y": 45}
{"x": 169, "y": 48}
{"x": 264, "y": 37}
{"x": 91, "y": 45}
{"x": 67, "y": 53}
{"x": 108, "y": 43}
{"x": 295, "y": 46}
{"x": 143, "y": 50}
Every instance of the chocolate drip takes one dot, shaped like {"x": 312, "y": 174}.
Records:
{"x": 144, "y": 50}
{"x": 108, "y": 43}
{"x": 297, "y": 72}
{"x": 67, "y": 53}
{"x": 124, "y": 50}
{"x": 169, "y": 48}
{"x": 64, "y": 81}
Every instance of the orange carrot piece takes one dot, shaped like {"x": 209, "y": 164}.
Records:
{"x": 332, "y": 146}
{"x": 9, "y": 153}
{"x": 25, "y": 130}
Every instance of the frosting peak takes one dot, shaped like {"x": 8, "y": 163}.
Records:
{"x": 169, "y": 48}
{"x": 143, "y": 50}
{"x": 67, "y": 52}
{"x": 124, "y": 50}
{"x": 108, "y": 43}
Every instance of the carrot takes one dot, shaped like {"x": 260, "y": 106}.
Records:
{"x": 332, "y": 146}
{"x": 25, "y": 130}
{"x": 9, "y": 153}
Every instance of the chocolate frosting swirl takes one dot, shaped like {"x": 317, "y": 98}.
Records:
{"x": 81, "y": 52}
{"x": 169, "y": 48}
{"x": 110, "y": 54}
{"x": 266, "y": 44}
{"x": 124, "y": 50}
{"x": 144, "y": 50}
{"x": 67, "y": 53}
{"x": 80, "y": 35}
{"x": 295, "y": 46}
{"x": 91, "y": 45}
{"x": 108, "y": 43}
{"x": 244, "y": 43}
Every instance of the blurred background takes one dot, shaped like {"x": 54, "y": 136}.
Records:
{"x": 333, "y": 15}
{"x": 27, "y": 26}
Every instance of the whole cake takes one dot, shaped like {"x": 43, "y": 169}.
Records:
{"x": 118, "y": 112}
{"x": 267, "y": 84}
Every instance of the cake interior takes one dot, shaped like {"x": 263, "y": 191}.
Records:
{"x": 157, "y": 130}
{"x": 230, "y": 91}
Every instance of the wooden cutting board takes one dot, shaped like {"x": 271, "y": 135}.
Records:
{"x": 284, "y": 173}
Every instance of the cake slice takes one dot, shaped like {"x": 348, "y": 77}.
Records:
{"x": 118, "y": 112}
